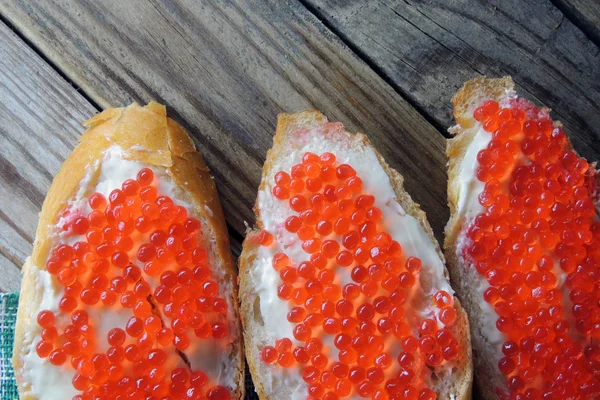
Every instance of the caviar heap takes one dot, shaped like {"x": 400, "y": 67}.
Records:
{"x": 172, "y": 298}
{"x": 341, "y": 229}
{"x": 538, "y": 246}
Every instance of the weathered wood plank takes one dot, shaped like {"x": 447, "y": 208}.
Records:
{"x": 40, "y": 115}
{"x": 225, "y": 71}
{"x": 10, "y": 278}
{"x": 427, "y": 49}
{"x": 583, "y": 13}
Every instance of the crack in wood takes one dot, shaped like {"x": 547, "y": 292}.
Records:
{"x": 584, "y": 14}
{"x": 6, "y": 21}
{"x": 374, "y": 66}
{"x": 10, "y": 256}
{"x": 16, "y": 228}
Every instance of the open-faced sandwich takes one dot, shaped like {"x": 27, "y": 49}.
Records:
{"x": 130, "y": 292}
{"x": 343, "y": 288}
{"x": 523, "y": 246}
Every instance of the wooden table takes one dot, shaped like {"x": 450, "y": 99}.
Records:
{"x": 225, "y": 69}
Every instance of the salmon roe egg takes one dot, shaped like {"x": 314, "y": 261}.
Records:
{"x": 145, "y": 177}
{"x": 46, "y": 319}
{"x": 269, "y": 354}
{"x": 264, "y": 238}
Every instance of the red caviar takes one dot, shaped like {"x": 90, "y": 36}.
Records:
{"x": 539, "y": 227}
{"x": 338, "y": 225}
{"x": 106, "y": 269}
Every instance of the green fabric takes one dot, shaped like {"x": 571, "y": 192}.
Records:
{"x": 8, "y": 316}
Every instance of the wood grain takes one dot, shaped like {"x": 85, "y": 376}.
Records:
{"x": 427, "y": 49}
{"x": 226, "y": 70}
{"x": 583, "y": 13}
{"x": 40, "y": 115}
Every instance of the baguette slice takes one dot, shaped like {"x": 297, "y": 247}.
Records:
{"x": 117, "y": 143}
{"x": 264, "y": 314}
{"x": 487, "y": 340}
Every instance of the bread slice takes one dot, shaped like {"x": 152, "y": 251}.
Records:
{"x": 264, "y": 314}
{"x": 487, "y": 340}
{"x": 139, "y": 136}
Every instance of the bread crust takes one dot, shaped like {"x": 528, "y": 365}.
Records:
{"x": 288, "y": 123}
{"x": 472, "y": 94}
{"x": 146, "y": 135}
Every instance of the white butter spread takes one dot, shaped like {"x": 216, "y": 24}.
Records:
{"x": 49, "y": 382}
{"x": 403, "y": 228}
{"x": 470, "y": 187}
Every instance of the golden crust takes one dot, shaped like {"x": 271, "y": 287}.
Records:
{"x": 475, "y": 92}
{"x": 28, "y": 300}
{"x": 465, "y": 101}
{"x": 286, "y": 124}
{"x": 147, "y": 135}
